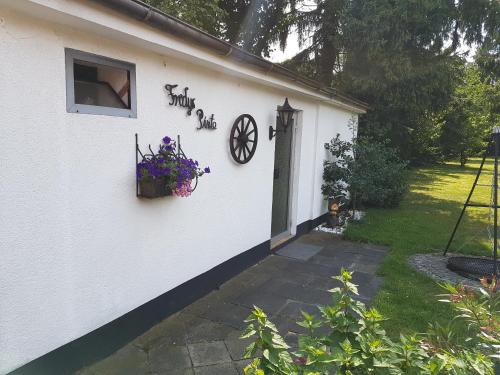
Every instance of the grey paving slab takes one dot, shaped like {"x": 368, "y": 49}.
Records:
{"x": 364, "y": 268}
{"x": 251, "y": 278}
{"x": 310, "y": 268}
{"x": 186, "y": 371}
{"x": 293, "y": 309}
{"x": 214, "y": 298}
{"x": 263, "y": 299}
{"x": 204, "y": 338}
{"x": 299, "y": 251}
{"x": 299, "y": 293}
{"x": 222, "y": 369}
{"x": 336, "y": 263}
{"x": 318, "y": 238}
{"x": 129, "y": 360}
{"x": 236, "y": 347}
{"x": 204, "y": 330}
{"x": 227, "y": 314}
{"x": 210, "y": 353}
{"x": 167, "y": 358}
{"x": 168, "y": 332}
{"x": 322, "y": 283}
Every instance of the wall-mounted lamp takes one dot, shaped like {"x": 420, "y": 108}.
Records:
{"x": 285, "y": 119}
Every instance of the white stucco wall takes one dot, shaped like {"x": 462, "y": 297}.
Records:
{"x": 77, "y": 248}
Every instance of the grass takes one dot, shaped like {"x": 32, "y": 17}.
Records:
{"x": 422, "y": 224}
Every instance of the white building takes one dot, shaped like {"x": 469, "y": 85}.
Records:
{"x": 80, "y": 254}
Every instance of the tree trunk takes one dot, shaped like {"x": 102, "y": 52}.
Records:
{"x": 463, "y": 159}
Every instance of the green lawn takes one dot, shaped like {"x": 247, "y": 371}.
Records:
{"x": 422, "y": 224}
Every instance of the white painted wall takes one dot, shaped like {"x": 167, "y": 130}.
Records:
{"x": 77, "y": 248}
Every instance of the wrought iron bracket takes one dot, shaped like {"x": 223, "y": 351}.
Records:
{"x": 272, "y": 132}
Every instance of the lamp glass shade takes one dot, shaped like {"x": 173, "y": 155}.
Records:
{"x": 285, "y": 114}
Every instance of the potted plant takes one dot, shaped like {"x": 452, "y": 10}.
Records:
{"x": 168, "y": 172}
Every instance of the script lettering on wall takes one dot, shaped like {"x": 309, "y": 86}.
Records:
{"x": 204, "y": 122}
{"x": 180, "y": 100}
{"x": 183, "y": 100}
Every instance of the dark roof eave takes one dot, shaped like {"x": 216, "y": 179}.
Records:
{"x": 162, "y": 21}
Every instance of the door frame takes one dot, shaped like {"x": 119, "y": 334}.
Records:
{"x": 293, "y": 182}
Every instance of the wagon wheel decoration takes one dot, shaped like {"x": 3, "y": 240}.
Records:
{"x": 243, "y": 139}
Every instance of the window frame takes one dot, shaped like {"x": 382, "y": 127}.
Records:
{"x": 71, "y": 107}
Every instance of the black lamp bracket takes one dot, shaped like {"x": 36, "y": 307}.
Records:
{"x": 272, "y": 131}
{"x": 283, "y": 120}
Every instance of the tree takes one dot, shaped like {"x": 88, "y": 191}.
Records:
{"x": 399, "y": 56}
{"x": 324, "y": 25}
{"x": 255, "y": 25}
{"x": 457, "y": 137}
{"x": 397, "y": 61}
{"x": 473, "y": 112}
{"x": 204, "y": 14}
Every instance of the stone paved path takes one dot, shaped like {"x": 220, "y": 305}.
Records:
{"x": 204, "y": 339}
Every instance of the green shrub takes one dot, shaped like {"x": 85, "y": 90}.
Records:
{"x": 337, "y": 173}
{"x": 375, "y": 176}
{"x": 378, "y": 176}
{"x": 355, "y": 342}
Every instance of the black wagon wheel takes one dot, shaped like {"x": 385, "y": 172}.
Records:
{"x": 243, "y": 138}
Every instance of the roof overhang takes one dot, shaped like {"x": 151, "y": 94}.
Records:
{"x": 135, "y": 22}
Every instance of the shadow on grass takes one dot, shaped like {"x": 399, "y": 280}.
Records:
{"x": 424, "y": 224}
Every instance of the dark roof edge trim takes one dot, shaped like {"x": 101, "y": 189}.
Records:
{"x": 164, "y": 22}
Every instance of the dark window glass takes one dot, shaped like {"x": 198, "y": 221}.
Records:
{"x": 101, "y": 85}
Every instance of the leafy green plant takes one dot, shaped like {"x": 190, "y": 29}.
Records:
{"x": 480, "y": 311}
{"x": 379, "y": 175}
{"x": 347, "y": 338}
{"x": 367, "y": 172}
{"x": 337, "y": 171}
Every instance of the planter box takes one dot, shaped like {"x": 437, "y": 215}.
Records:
{"x": 154, "y": 189}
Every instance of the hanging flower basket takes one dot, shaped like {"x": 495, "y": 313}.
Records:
{"x": 167, "y": 172}
{"x": 154, "y": 188}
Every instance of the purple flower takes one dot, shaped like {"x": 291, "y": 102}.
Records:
{"x": 176, "y": 170}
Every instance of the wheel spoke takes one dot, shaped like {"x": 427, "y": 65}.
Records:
{"x": 251, "y": 131}
{"x": 239, "y": 153}
{"x": 251, "y": 140}
{"x": 244, "y": 153}
{"x": 246, "y": 127}
{"x": 247, "y": 148}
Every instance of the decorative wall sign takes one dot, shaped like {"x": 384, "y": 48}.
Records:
{"x": 183, "y": 100}
{"x": 180, "y": 100}
{"x": 243, "y": 138}
{"x": 205, "y": 123}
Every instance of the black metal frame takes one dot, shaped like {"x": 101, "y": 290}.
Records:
{"x": 495, "y": 142}
{"x": 149, "y": 156}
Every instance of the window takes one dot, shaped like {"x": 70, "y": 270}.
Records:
{"x": 99, "y": 85}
